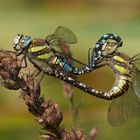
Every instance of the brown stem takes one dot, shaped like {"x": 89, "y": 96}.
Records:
{"x": 48, "y": 113}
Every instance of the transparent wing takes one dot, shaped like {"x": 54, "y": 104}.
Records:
{"x": 39, "y": 65}
{"x": 66, "y": 35}
{"x": 38, "y": 73}
{"x": 43, "y": 64}
{"x": 116, "y": 114}
{"x": 71, "y": 58}
{"x": 136, "y": 58}
{"x": 136, "y": 84}
{"x": 124, "y": 108}
{"x": 136, "y": 79}
{"x": 61, "y": 34}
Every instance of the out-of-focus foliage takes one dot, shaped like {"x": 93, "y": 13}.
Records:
{"x": 88, "y": 19}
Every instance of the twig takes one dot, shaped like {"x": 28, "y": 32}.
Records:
{"x": 48, "y": 113}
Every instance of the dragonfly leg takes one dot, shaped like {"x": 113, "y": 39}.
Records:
{"x": 35, "y": 65}
{"x": 25, "y": 62}
{"x": 43, "y": 73}
{"x": 101, "y": 65}
{"x": 39, "y": 68}
{"x": 36, "y": 72}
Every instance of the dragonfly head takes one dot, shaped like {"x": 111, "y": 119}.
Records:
{"x": 109, "y": 48}
{"x": 107, "y": 45}
{"x": 21, "y": 42}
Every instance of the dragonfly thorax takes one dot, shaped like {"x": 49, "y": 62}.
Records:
{"x": 120, "y": 64}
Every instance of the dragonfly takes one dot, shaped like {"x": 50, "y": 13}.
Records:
{"x": 106, "y": 54}
{"x": 125, "y": 92}
{"x": 125, "y": 105}
{"x": 42, "y": 50}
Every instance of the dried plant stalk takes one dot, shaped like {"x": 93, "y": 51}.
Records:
{"x": 48, "y": 113}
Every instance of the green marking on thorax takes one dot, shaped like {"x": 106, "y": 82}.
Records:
{"x": 37, "y": 48}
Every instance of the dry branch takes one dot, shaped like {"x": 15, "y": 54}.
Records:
{"x": 48, "y": 113}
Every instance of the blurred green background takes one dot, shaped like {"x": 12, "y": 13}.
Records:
{"x": 88, "y": 19}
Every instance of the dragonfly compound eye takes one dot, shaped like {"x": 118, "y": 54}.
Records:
{"x": 21, "y": 42}
{"x": 26, "y": 41}
{"x": 16, "y": 42}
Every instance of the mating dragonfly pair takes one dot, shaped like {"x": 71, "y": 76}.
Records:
{"x": 104, "y": 53}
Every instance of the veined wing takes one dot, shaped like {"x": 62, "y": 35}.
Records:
{"x": 61, "y": 34}
{"x": 39, "y": 65}
{"x": 39, "y": 73}
{"x": 46, "y": 55}
{"x": 124, "y": 108}
{"x": 43, "y": 63}
{"x": 71, "y": 58}
{"x": 136, "y": 79}
{"x": 137, "y": 86}
{"x": 135, "y": 58}
{"x": 116, "y": 114}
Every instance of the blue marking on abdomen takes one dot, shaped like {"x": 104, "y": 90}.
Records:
{"x": 67, "y": 67}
